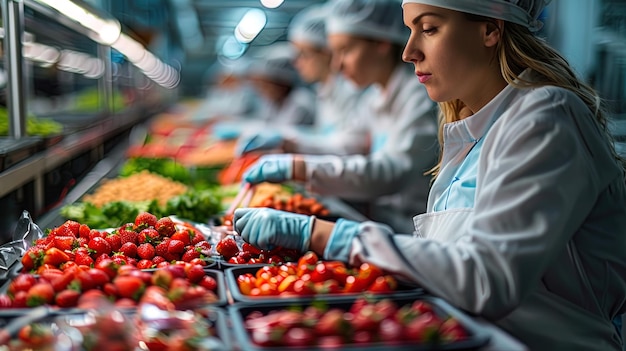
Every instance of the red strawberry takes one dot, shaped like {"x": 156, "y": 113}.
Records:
{"x": 158, "y": 259}
{"x": 196, "y": 238}
{"x": 208, "y": 283}
{"x": 205, "y": 247}
{"x": 129, "y": 249}
{"x": 194, "y": 272}
{"x": 73, "y": 227}
{"x": 102, "y": 258}
{"x": 120, "y": 260}
{"x": 98, "y": 276}
{"x": 227, "y": 247}
{"x": 83, "y": 231}
{"x": 67, "y": 298}
{"x": 129, "y": 286}
{"x": 65, "y": 242}
{"x": 190, "y": 254}
{"x": 161, "y": 248}
{"x": 127, "y": 236}
{"x": 114, "y": 240}
{"x": 250, "y": 248}
{"x": 183, "y": 235}
{"x": 32, "y": 259}
{"x": 148, "y": 235}
{"x": 83, "y": 258}
{"x": 165, "y": 226}
{"x": 5, "y": 301}
{"x": 82, "y": 241}
{"x": 175, "y": 247}
{"x": 62, "y": 281}
{"x": 146, "y": 251}
{"x": 108, "y": 266}
{"x": 96, "y": 234}
{"x": 162, "y": 278}
{"x": 55, "y": 257}
{"x": 145, "y": 220}
{"x": 19, "y": 299}
{"x": 145, "y": 264}
{"x": 22, "y": 282}
{"x": 100, "y": 246}
{"x": 40, "y": 294}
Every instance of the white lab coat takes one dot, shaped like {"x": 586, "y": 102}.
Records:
{"x": 392, "y": 175}
{"x": 298, "y": 108}
{"x": 340, "y": 126}
{"x": 542, "y": 253}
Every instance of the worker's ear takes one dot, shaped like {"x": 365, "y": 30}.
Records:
{"x": 492, "y": 32}
{"x": 384, "y": 47}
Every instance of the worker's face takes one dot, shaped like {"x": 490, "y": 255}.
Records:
{"x": 356, "y": 58}
{"x": 269, "y": 89}
{"x": 312, "y": 63}
{"x": 451, "y": 54}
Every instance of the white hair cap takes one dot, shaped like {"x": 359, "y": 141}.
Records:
{"x": 523, "y": 12}
{"x": 275, "y": 62}
{"x": 309, "y": 26}
{"x": 374, "y": 19}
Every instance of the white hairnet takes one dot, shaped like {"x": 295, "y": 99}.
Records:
{"x": 523, "y": 12}
{"x": 375, "y": 19}
{"x": 275, "y": 63}
{"x": 309, "y": 26}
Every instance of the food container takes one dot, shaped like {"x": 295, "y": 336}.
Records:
{"x": 475, "y": 338}
{"x": 231, "y": 275}
{"x": 108, "y": 328}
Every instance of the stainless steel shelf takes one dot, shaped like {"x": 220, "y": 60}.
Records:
{"x": 91, "y": 139}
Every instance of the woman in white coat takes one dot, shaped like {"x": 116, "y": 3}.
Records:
{"x": 339, "y": 128}
{"x": 366, "y": 38}
{"x": 526, "y": 221}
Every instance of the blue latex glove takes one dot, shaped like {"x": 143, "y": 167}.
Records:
{"x": 270, "y": 168}
{"x": 226, "y": 131}
{"x": 267, "y": 228}
{"x": 260, "y": 141}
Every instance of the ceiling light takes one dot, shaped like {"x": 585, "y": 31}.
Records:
{"x": 272, "y": 4}
{"x": 251, "y": 24}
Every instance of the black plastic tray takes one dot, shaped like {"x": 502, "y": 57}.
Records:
{"x": 478, "y": 336}
{"x": 231, "y": 275}
{"x": 216, "y": 317}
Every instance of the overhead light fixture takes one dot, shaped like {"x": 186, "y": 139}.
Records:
{"x": 103, "y": 28}
{"x": 272, "y": 4}
{"x": 250, "y": 25}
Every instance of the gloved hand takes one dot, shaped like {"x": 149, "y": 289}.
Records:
{"x": 270, "y": 168}
{"x": 226, "y": 131}
{"x": 267, "y": 228}
{"x": 261, "y": 141}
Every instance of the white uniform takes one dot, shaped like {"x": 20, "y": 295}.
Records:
{"x": 404, "y": 121}
{"x": 340, "y": 126}
{"x": 298, "y": 108}
{"x": 541, "y": 249}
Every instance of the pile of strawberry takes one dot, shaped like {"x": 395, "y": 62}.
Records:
{"x": 363, "y": 323}
{"x": 247, "y": 253}
{"x": 176, "y": 285}
{"x": 147, "y": 243}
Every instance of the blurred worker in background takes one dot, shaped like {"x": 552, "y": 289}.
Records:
{"x": 229, "y": 94}
{"x": 339, "y": 129}
{"x": 526, "y": 223}
{"x": 284, "y": 99}
{"x": 366, "y": 38}
{"x": 277, "y": 81}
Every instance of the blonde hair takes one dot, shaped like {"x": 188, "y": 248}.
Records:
{"x": 517, "y": 50}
